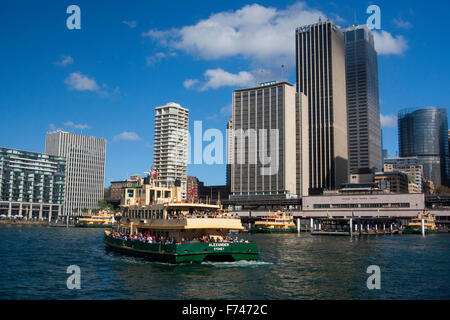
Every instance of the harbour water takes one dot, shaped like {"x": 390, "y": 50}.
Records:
{"x": 34, "y": 261}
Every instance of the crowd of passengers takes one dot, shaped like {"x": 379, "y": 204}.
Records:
{"x": 199, "y": 214}
{"x": 147, "y": 238}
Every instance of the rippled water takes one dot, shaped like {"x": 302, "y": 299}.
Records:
{"x": 34, "y": 261}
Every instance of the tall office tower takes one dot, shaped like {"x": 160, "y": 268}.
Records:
{"x": 264, "y": 141}
{"x": 411, "y": 166}
{"x": 363, "y": 103}
{"x": 229, "y": 150}
{"x": 423, "y": 133}
{"x": 31, "y": 184}
{"x": 85, "y": 169}
{"x": 170, "y": 156}
{"x": 320, "y": 59}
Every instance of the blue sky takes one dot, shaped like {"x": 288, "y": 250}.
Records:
{"x": 130, "y": 56}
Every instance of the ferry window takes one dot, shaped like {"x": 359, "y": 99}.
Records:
{"x": 167, "y": 195}
{"x": 130, "y": 193}
{"x": 158, "y": 194}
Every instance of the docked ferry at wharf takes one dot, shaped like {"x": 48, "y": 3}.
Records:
{"x": 415, "y": 226}
{"x": 192, "y": 232}
{"x": 96, "y": 221}
{"x": 276, "y": 223}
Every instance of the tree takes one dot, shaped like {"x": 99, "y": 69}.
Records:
{"x": 443, "y": 190}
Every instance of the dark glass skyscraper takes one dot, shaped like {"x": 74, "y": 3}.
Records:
{"x": 424, "y": 133}
{"x": 363, "y": 104}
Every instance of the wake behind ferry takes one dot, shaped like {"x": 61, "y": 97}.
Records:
{"x": 156, "y": 226}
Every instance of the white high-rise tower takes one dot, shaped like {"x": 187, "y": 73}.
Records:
{"x": 170, "y": 156}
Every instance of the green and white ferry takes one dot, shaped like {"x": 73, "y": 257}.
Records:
{"x": 184, "y": 232}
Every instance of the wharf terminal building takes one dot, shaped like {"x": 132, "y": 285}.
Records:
{"x": 85, "y": 169}
{"x": 31, "y": 184}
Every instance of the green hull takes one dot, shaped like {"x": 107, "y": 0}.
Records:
{"x": 93, "y": 225}
{"x": 179, "y": 253}
{"x": 419, "y": 231}
{"x": 270, "y": 230}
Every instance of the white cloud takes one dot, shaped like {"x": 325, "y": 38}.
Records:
{"x": 65, "y": 61}
{"x": 402, "y": 24}
{"x": 79, "y": 82}
{"x": 254, "y": 31}
{"x": 389, "y": 121}
{"x": 76, "y": 126}
{"x": 385, "y": 43}
{"x": 216, "y": 78}
{"x": 227, "y": 110}
{"x": 189, "y": 83}
{"x": 157, "y": 57}
{"x": 131, "y": 24}
{"x": 127, "y": 136}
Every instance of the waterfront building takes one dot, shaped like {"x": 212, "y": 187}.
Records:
{"x": 320, "y": 61}
{"x": 411, "y": 166}
{"x": 170, "y": 156}
{"x": 85, "y": 169}
{"x": 31, "y": 184}
{"x": 192, "y": 189}
{"x": 395, "y": 182}
{"x": 423, "y": 133}
{"x": 364, "y": 205}
{"x": 264, "y": 150}
{"x": 363, "y": 103}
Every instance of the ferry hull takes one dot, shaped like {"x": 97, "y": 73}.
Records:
{"x": 272, "y": 230}
{"x": 184, "y": 253}
{"x": 92, "y": 225}
{"x": 419, "y": 231}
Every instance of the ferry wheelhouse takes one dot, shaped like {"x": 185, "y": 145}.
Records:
{"x": 156, "y": 226}
{"x": 277, "y": 223}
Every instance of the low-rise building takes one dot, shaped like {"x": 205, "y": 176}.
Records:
{"x": 412, "y": 166}
{"x": 396, "y": 182}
